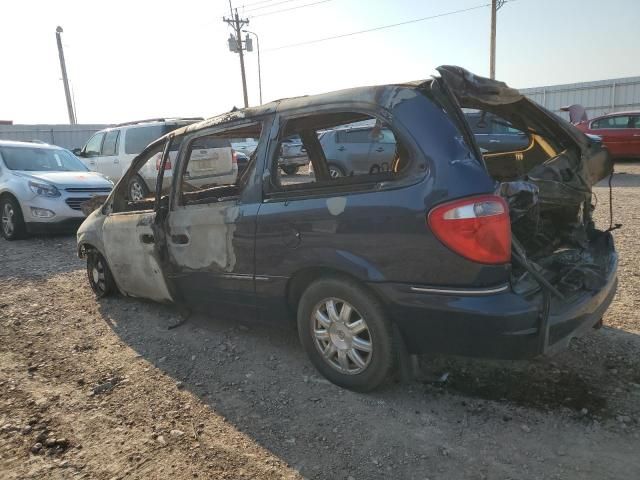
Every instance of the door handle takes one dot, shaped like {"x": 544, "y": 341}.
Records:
{"x": 341, "y": 148}
{"x": 493, "y": 140}
{"x": 115, "y": 160}
{"x": 180, "y": 239}
{"x": 379, "y": 149}
{"x": 147, "y": 238}
{"x": 636, "y": 134}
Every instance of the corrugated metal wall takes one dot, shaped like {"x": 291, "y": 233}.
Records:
{"x": 67, "y": 136}
{"x": 603, "y": 96}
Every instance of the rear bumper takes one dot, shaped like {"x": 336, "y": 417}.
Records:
{"x": 500, "y": 325}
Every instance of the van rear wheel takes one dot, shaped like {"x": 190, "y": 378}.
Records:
{"x": 346, "y": 334}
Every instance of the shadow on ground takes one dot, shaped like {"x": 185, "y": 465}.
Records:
{"x": 258, "y": 378}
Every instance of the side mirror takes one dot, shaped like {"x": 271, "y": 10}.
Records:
{"x": 77, "y": 152}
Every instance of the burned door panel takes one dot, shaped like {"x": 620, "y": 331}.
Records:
{"x": 129, "y": 243}
{"x": 210, "y": 225}
{"x": 211, "y": 256}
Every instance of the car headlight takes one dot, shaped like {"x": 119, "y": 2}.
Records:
{"x": 44, "y": 189}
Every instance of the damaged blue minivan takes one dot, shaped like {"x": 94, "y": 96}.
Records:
{"x": 424, "y": 243}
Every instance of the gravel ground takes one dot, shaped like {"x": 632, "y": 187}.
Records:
{"x": 106, "y": 390}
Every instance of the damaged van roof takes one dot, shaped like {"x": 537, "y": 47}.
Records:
{"x": 376, "y": 94}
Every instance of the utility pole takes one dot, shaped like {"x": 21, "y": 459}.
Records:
{"x": 235, "y": 45}
{"x": 259, "y": 69}
{"x": 495, "y": 6}
{"x": 65, "y": 80}
{"x": 492, "y": 54}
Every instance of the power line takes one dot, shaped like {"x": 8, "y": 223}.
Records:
{"x": 382, "y": 27}
{"x": 268, "y": 6}
{"x": 255, "y": 3}
{"x": 291, "y": 8}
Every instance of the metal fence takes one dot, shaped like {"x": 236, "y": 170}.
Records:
{"x": 67, "y": 136}
{"x": 598, "y": 98}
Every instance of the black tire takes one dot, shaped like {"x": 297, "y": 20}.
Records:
{"x": 290, "y": 169}
{"x": 379, "y": 332}
{"x": 335, "y": 171}
{"x": 99, "y": 275}
{"x": 137, "y": 189}
{"x": 12, "y": 225}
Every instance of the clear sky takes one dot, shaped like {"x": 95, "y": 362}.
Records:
{"x": 132, "y": 59}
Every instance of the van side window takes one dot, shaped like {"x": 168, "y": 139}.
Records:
{"x": 215, "y": 166}
{"x": 340, "y": 149}
{"x": 137, "y": 138}
{"x": 94, "y": 145}
{"x": 110, "y": 144}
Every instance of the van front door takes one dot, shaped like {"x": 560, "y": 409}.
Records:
{"x": 130, "y": 241}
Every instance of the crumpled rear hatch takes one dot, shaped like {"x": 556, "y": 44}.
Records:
{"x": 548, "y": 187}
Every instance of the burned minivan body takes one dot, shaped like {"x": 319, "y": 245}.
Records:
{"x": 429, "y": 243}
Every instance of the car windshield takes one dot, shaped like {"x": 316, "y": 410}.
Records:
{"x": 33, "y": 159}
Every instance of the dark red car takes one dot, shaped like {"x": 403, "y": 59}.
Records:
{"x": 620, "y": 133}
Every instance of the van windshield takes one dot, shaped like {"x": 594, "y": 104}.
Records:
{"x": 32, "y": 159}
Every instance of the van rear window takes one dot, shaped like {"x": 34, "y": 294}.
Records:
{"x": 136, "y": 139}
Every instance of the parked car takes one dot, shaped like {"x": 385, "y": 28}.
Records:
{"x": 42, "y": 188}
{"x": 110, "y": 151}
{"x": 293, "y": 155}
{"x": 358, "y": 150}
{"x": 494, "y": 134}
{"x": 433, "y": 254}
{"x": 620, "y": 133}
{"x": 244, "y": 145}
{"x": 242, "y": 161}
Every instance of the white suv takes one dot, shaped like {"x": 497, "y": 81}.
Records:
{"x": 110, "y": 151}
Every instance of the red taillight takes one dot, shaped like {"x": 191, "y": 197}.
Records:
{"x": 234, "y": 157}
{"x": 477, "y": 228}
{"x": 167, "y": 165}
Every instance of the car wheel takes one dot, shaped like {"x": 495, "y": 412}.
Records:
{"x": 290, "y": 169}
{"x": 13, "y": 227}
{"x": 346, "y": 334}
{"x": 335, "y": 171}
{"x": 100, "y": 278}
{"x": 137, "y": 189}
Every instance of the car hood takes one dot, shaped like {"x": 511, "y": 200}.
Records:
{"x": 69, "y": 179}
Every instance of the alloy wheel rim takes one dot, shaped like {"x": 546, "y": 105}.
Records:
{"x": 342, "y": 336}
{"x": 8, "y": 219}
{"x": 97, "y": 276}
{"x": 334, "y": 173}
{"x": 136, "y": 192}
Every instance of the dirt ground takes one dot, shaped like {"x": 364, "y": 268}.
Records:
{"x": 105, "y": 390}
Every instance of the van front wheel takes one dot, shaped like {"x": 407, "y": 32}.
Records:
{"x": 343, "y": 328}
